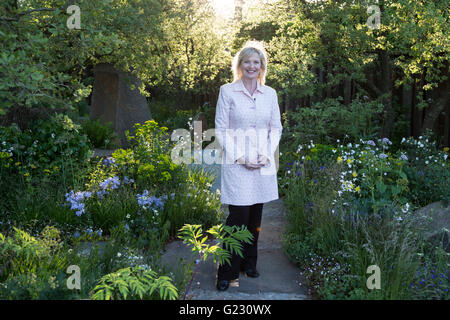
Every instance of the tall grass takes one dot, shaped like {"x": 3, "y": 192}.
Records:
{"x": 348, "y": 234}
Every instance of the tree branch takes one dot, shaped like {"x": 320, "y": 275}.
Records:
{"x": 22, "y": 14}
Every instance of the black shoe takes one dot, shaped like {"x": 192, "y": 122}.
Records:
{"x": 222, "y": 285}
{"x": 252, "y": 273}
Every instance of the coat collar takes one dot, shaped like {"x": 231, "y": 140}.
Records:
{"x": 238, "y": 85}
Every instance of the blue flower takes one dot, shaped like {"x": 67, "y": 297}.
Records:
{"x": 108, "y": 161}
{"x": 146, "y": 201}
{"x": 101, "y": 193}
{"x": 110, "y": 183}
{"x": 76, "y": 234}
{"x": 127, "y": 180}
{"x": 75, "y": 201}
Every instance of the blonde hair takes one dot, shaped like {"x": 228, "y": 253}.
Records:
{"x": 249, "y": 48}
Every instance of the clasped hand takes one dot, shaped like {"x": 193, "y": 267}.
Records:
{"x": 261, "y": 162}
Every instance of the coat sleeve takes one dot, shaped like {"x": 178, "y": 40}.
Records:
{"x": 224, "y": 134}
{"x": 274, "y": 131}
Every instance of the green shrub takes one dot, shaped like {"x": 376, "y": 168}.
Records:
{"x": 330, "y": 119}
{"x": 427, "y": 169}
{"x": 134, "y": 283}
{"x": 101, "y": 135}
{"x": 49, "y": 146}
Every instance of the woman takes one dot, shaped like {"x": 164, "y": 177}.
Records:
{"x": 247, "y": 111}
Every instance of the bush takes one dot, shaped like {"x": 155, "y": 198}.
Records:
{"x": 330, "y": 119}
{"x": 134, "y": 283}
{"x": 427, "y": 170}
{"x": 44, "y": 148}
{"x": 101, "y": 135}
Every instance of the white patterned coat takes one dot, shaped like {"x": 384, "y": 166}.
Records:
{"x": 258, "y": 118}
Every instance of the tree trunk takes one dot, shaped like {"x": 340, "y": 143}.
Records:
{"x": 347, "y": 91}
{"x": 386, "y": 84}
{"x": 416, "y": 112}
{"x": 407, "y": 99}
{"x": 447, "y": 126}
{"x": 328, "y": 80}
{"x": 439, "y": 103}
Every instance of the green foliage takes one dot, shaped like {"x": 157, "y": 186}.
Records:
{"x": 22, "y": 253}
{"x": 45, "y": 148}
{"x": 354, "y": 209}
{"x": 330, "y": 120}
{"x": 150, "y": 163}
{"x": 99, "y": 134}
{"x": 195, "y": 205}
{"x": 230, "y": 240}
{"x": 172, "y": 117}
{"x": 427, "y": 170}
{"x": 26, "y": 80}
{"x": 134, "y": 283}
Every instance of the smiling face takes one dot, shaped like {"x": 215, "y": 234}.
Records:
{"x": 251, "y": 66}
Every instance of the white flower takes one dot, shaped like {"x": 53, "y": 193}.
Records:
{"x": 406, "y": 208}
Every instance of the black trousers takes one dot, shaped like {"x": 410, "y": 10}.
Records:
{"x": 249, "y": 216}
